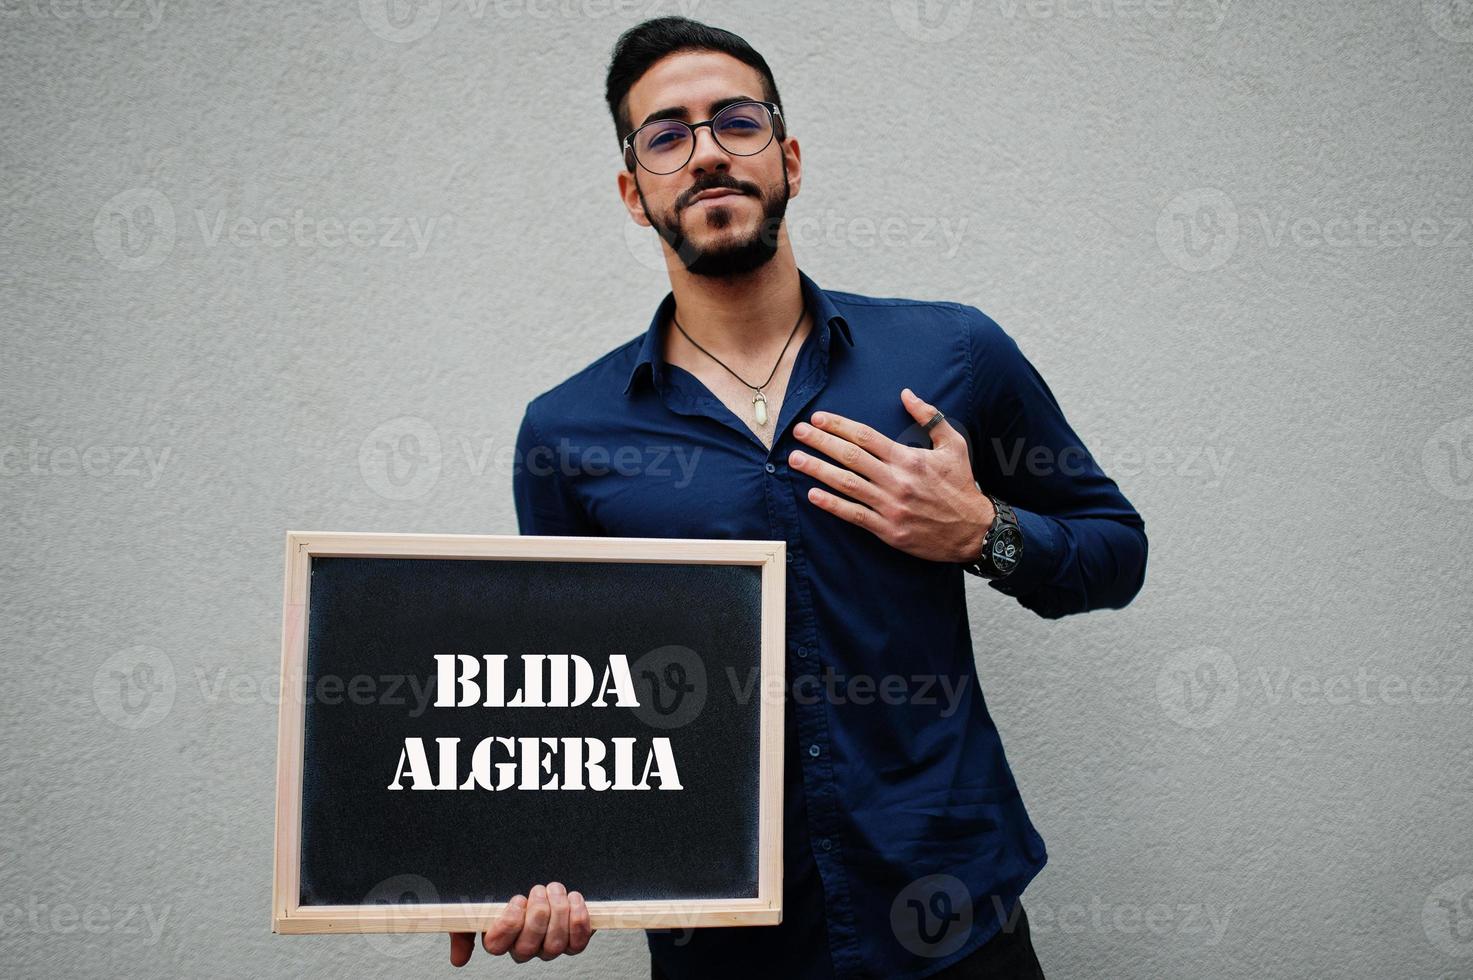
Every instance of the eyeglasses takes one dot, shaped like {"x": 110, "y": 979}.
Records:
{"x": 666, "y": 145}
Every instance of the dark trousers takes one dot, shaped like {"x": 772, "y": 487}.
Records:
{"x": 1006, "y": 956}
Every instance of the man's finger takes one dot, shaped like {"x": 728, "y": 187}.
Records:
{"x": 876, "y": 443}
{"x": 462, "y": 945}
{"x": 529, "y": 943}
{"x": 857, "y": 514}
{"x": 847, "y": 454}
{"x": 579, "y": 930}
{"x": 845, "y": 481}
{"x": 556, "y": 939}
{"x": 508, "y": 926}
{"x": 923, "y": 412}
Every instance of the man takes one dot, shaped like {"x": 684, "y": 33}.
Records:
{"x": 895, "y": 445}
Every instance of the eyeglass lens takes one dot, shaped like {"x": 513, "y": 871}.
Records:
{"x": 665, "y": 146}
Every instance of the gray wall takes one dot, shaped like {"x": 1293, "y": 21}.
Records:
{"x": 1234, "y": 237}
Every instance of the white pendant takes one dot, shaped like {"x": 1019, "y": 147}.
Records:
{"x": 759, "y": 408}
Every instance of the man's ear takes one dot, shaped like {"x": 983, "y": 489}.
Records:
{"x": 629, "y": 194}
{"x": 793, "y": 160}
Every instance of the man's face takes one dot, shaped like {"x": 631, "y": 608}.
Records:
{"x": 717, "y": 236}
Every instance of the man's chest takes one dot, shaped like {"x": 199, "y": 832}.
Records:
{"x": 691, "y": 462}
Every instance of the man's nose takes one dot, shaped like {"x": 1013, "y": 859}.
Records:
{"x": 708, "y": 154}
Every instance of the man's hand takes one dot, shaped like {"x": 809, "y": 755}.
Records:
{"x": 546, "y": 923}
{"x": 921, "y": 501}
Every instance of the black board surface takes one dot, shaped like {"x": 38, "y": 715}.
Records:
{"x": 690, "y": 634}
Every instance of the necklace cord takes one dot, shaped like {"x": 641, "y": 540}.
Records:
{"x": 756, "y": 388}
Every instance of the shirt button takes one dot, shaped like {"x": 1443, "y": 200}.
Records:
{"x": 826, "y": 844}
{"x": 790, "y": 557}
{"x": 770, "y": 468}
{"x": 813, "y": 750}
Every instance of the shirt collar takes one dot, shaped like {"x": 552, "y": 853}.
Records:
{"x": 649, "y": 349}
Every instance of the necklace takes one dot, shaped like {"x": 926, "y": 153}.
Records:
{"x": 759, "y": 400}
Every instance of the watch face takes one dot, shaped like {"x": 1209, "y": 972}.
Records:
{"x": 1006, "y": 549}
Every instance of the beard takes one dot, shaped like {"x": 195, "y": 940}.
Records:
{"x": 732, "y": 257}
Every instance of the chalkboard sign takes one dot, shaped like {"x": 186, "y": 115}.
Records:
{"x": 466, "y": 716}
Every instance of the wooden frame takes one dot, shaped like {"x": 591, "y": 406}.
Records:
{"x": 289, "y": 916}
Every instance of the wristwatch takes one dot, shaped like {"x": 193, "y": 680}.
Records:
{"x": 1003, "y": 545}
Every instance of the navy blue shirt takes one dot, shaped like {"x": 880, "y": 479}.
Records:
{"x": 904, "y": 838}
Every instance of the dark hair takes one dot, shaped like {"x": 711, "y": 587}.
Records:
{"x": 644, "y": 44}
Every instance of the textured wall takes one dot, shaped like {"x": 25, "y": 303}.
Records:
{"x": 243, "y": 248}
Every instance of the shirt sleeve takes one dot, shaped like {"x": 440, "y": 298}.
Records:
{"x": 1084, "y": 545}
{"x": 545, "y": 502}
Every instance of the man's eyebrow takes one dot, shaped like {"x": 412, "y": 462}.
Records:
{"x": 680, "y": 111}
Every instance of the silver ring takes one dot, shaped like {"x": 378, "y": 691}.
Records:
{"x": 934, "y": 419}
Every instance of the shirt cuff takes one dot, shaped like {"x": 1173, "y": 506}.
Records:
{"x": 1040, "y": 555}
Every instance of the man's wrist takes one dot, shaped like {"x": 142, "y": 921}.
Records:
{"x": 975, "y": 530}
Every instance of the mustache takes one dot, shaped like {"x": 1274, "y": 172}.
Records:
{"x": 728, "y": 183}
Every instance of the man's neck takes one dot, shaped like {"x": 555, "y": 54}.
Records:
{"x": 744, "y": 318}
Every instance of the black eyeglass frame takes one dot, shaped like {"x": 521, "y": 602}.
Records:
{"x": 775, "y": 112}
